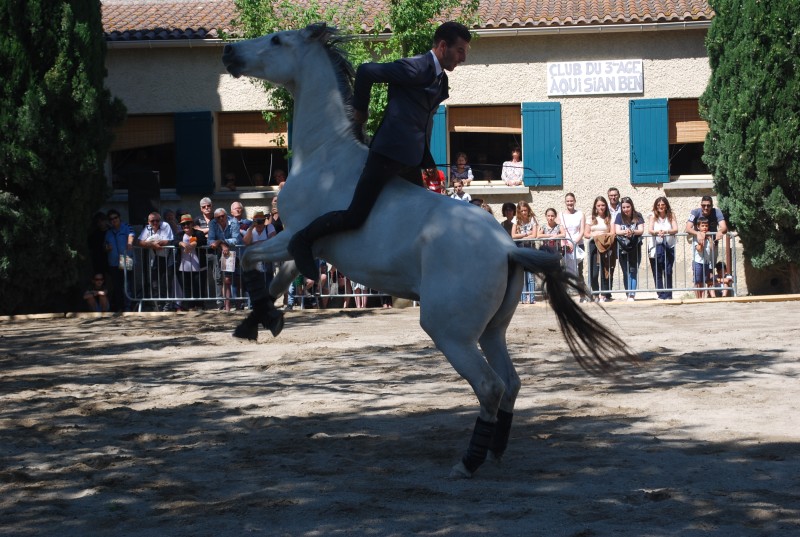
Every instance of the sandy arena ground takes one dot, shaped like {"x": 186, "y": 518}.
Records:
{"x": 348, "y": 424}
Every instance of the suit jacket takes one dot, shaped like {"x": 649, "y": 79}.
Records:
{"x": 414, "y": 96}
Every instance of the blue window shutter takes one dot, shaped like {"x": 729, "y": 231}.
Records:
{"x": 193, "y": 153}
{"x": 649, "y": 142}
{"x": 439, "y": 138}
{"x": 541, "y": 144}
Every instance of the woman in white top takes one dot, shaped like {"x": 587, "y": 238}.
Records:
{"x": 663, "y": 226}
{"x": 601, "y": 263}
{"x": 513, "y": 172}
{"x": 525, "y": 227}
{"x": 574, "y": 223}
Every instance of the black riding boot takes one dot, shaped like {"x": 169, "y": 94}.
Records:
{"x": 264, "y": 311}
{"x": 301, "y": 242}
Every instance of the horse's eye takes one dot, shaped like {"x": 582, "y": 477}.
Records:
{"x": 276, "y": 40}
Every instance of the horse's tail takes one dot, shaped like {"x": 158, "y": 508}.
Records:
{"x": 595, "y": 348}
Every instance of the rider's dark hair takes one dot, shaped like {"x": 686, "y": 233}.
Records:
{"x": 450, "y": 31}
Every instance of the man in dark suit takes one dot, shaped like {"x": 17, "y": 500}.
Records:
{"x": 401, "y": 145}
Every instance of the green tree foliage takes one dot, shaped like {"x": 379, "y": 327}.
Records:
{"x": 56, "y": 117}
{"x": 412, "y": 24}
{"x": 753, "y": 107}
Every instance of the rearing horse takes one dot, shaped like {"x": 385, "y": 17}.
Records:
{"x": 408, "y": 246}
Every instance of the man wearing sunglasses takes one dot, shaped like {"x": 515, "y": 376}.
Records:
{"x": 210, "y": 276}
{"x": 716, "y": 220}
{"x": 716, "y": 224}
{"x": 154, "y": 237}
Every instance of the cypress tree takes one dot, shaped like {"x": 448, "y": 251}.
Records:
{"x": 56, "y": 117}
{"x": 753, "y": 147}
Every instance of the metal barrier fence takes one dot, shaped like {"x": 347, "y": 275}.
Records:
{"x": 157, "y": 280}
{"x": 654, "y": 269}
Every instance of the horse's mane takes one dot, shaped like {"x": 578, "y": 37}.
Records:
{"x": 331, "y": 40}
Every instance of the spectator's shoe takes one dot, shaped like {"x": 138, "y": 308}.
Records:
{"x": 300, "y": 248}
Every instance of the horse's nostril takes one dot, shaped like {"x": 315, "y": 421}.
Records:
{"x": 228, "y": 49}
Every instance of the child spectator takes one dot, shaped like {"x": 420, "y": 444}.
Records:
{"x": 96, "y": 296}
{"x": 433, "y": 180}
{"x": 722, "y": 279}
{"x": 461, "y": 172}
{"x": 703, "y": 263}
{"x": 459, "y": 194}
{"x": 552, "y": 230}
{"x": 509, "y": 211}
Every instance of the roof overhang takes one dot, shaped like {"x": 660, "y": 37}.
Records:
{"x": 483, "y": 32}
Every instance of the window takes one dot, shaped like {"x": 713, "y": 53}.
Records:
{"x": 143, "y": 152}
{"x": 687, "y": 133}
{"x": 487, "y": 134}
{"x": 666, "y": 139}
{"x": 251, "y": 149}
{"x": 153, "y": 152}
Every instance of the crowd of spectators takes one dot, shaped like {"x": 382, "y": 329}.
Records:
{"x": 190, "y": 262}
{"x": 615, "y": 234}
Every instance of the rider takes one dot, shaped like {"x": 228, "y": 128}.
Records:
{"x": 401, "y": 146}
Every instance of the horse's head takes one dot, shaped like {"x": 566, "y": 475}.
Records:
{"x": 274, "y": 57}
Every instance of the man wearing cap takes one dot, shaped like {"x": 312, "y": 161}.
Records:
{"x": 191, "y": 244}
{"x": 256, "y": 282}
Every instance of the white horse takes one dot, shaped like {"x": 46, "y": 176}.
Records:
{"x": 453, "y": 257}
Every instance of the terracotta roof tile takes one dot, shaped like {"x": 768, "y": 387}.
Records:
{"x": 202, "y": 19}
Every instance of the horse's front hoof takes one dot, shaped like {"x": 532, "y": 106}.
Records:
{"x": 275, "y": 322}
{"x": 459, "y": 471}
{"x": 492, "y": 457}
{"x": 246, "y": 330}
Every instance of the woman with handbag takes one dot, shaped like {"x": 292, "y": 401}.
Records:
{"x": 602, "y": 255}
{"x": 663, "y": 226}
{"x": 629, "y": 227}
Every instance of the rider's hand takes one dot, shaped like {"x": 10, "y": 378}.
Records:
{"x": 359, "y": 116}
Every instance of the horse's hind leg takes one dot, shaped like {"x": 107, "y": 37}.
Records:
{"x": 493, "y": 343}
{"x": 459, "y": 346}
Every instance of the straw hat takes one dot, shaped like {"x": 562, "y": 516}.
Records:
{"x": 259, "y": 215}
{"x": 186, "y": 219}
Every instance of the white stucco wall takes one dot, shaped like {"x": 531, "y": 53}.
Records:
{"x": 165, "y": 80}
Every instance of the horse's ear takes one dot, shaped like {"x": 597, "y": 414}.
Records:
{"x": 318, "y": 31}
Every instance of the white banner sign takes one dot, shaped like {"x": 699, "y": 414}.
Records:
{"x": 595, "y": 77}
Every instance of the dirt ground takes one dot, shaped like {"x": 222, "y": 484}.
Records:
{"x": 348, "y": 424}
